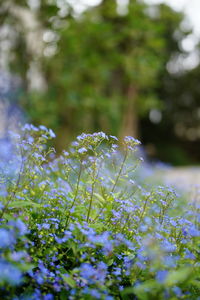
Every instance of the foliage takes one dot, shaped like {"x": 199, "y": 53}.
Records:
{"x": 184, "y": 108}
{"x": 181, "y": 130}
{"x": 102, "y": 67}
{"x": 79, "y": 226}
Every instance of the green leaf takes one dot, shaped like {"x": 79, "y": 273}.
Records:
{"x": 24, "y": 203}
{"x": 144, "y": 290}
{"x": 26, "y": 267}
{"x": 69, "y": 280}
{"x": 178, "y": 276}
{"x": 101, "y": 198}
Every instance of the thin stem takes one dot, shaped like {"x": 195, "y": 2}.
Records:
{"x": 131, "y": 195}
{"x": 92, "y": 192}
{"x": 102, "y": 208}
{"x": 120, "y": 171}
{"x": 144, "y": 208}
{"x": 12, "y": 195}
{"x": 131, "y": 170}
{"x": 91, "y": 198}
{"x": 72, "y": 168}
{"x": 77, "y": 185}
{"x": 126, "y": 222}
{"x": 163, "y": 209}
{"x": 76, "y": 191}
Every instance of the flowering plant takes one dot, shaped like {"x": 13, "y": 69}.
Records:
{"x": 79, "y": 226}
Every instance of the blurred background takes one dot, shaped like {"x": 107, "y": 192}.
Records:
{"x": 123, "y": 67}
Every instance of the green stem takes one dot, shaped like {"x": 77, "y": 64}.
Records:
{"x": 126, "y": 223}
{"x": 91, "y": 198}
{"x": 120, "y": 171}
{"x": 77, "y": 186}
{"x": 144, "y": 208}
{"x": 163, "y": 210}
{"x": 92, "y": 192}
{"x": 76, "y": 192}
{"x": 12, "y": 195}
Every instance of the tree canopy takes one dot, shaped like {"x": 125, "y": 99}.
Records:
{"x": 102, "y": 69}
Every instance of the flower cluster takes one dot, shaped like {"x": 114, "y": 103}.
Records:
{"x": 80, "y": 226}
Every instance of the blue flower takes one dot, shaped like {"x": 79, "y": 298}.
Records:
{"x": 161, "y": 276}
{"x": 177, "y": 291}
{"x": 189, "y": 254}
{"x": 51, "y": 133}
{"x": 6, "y": 238}
{"x": 39, "y": 279}
{"x": 131, "y": 141}
{"x": 17, "y": 256}
{"x": 75, "y": 144}
{"x": 82, "y": 150}
{"x": 21, "y": 227}
{"x": 94, "y": 274}
{"x": 117, "y": 271}
{"x": 193, "y": 231}
{"x": 48, "y": 297}
{"x": 42, "y": 127}
{"x": 95, "y": 293}
{"x": 87, "y": 271}
{"x": 114, "y": 137}
{"x": 10, "y": 274}
{"x": 167, "y": 246}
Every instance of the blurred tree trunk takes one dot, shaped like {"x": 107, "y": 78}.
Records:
{"x": 130, "y": 116}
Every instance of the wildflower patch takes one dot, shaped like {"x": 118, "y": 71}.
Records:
{"x": 79, "y": 226}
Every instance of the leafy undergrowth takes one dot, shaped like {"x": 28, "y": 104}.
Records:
{"x": 81, "y": 227}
